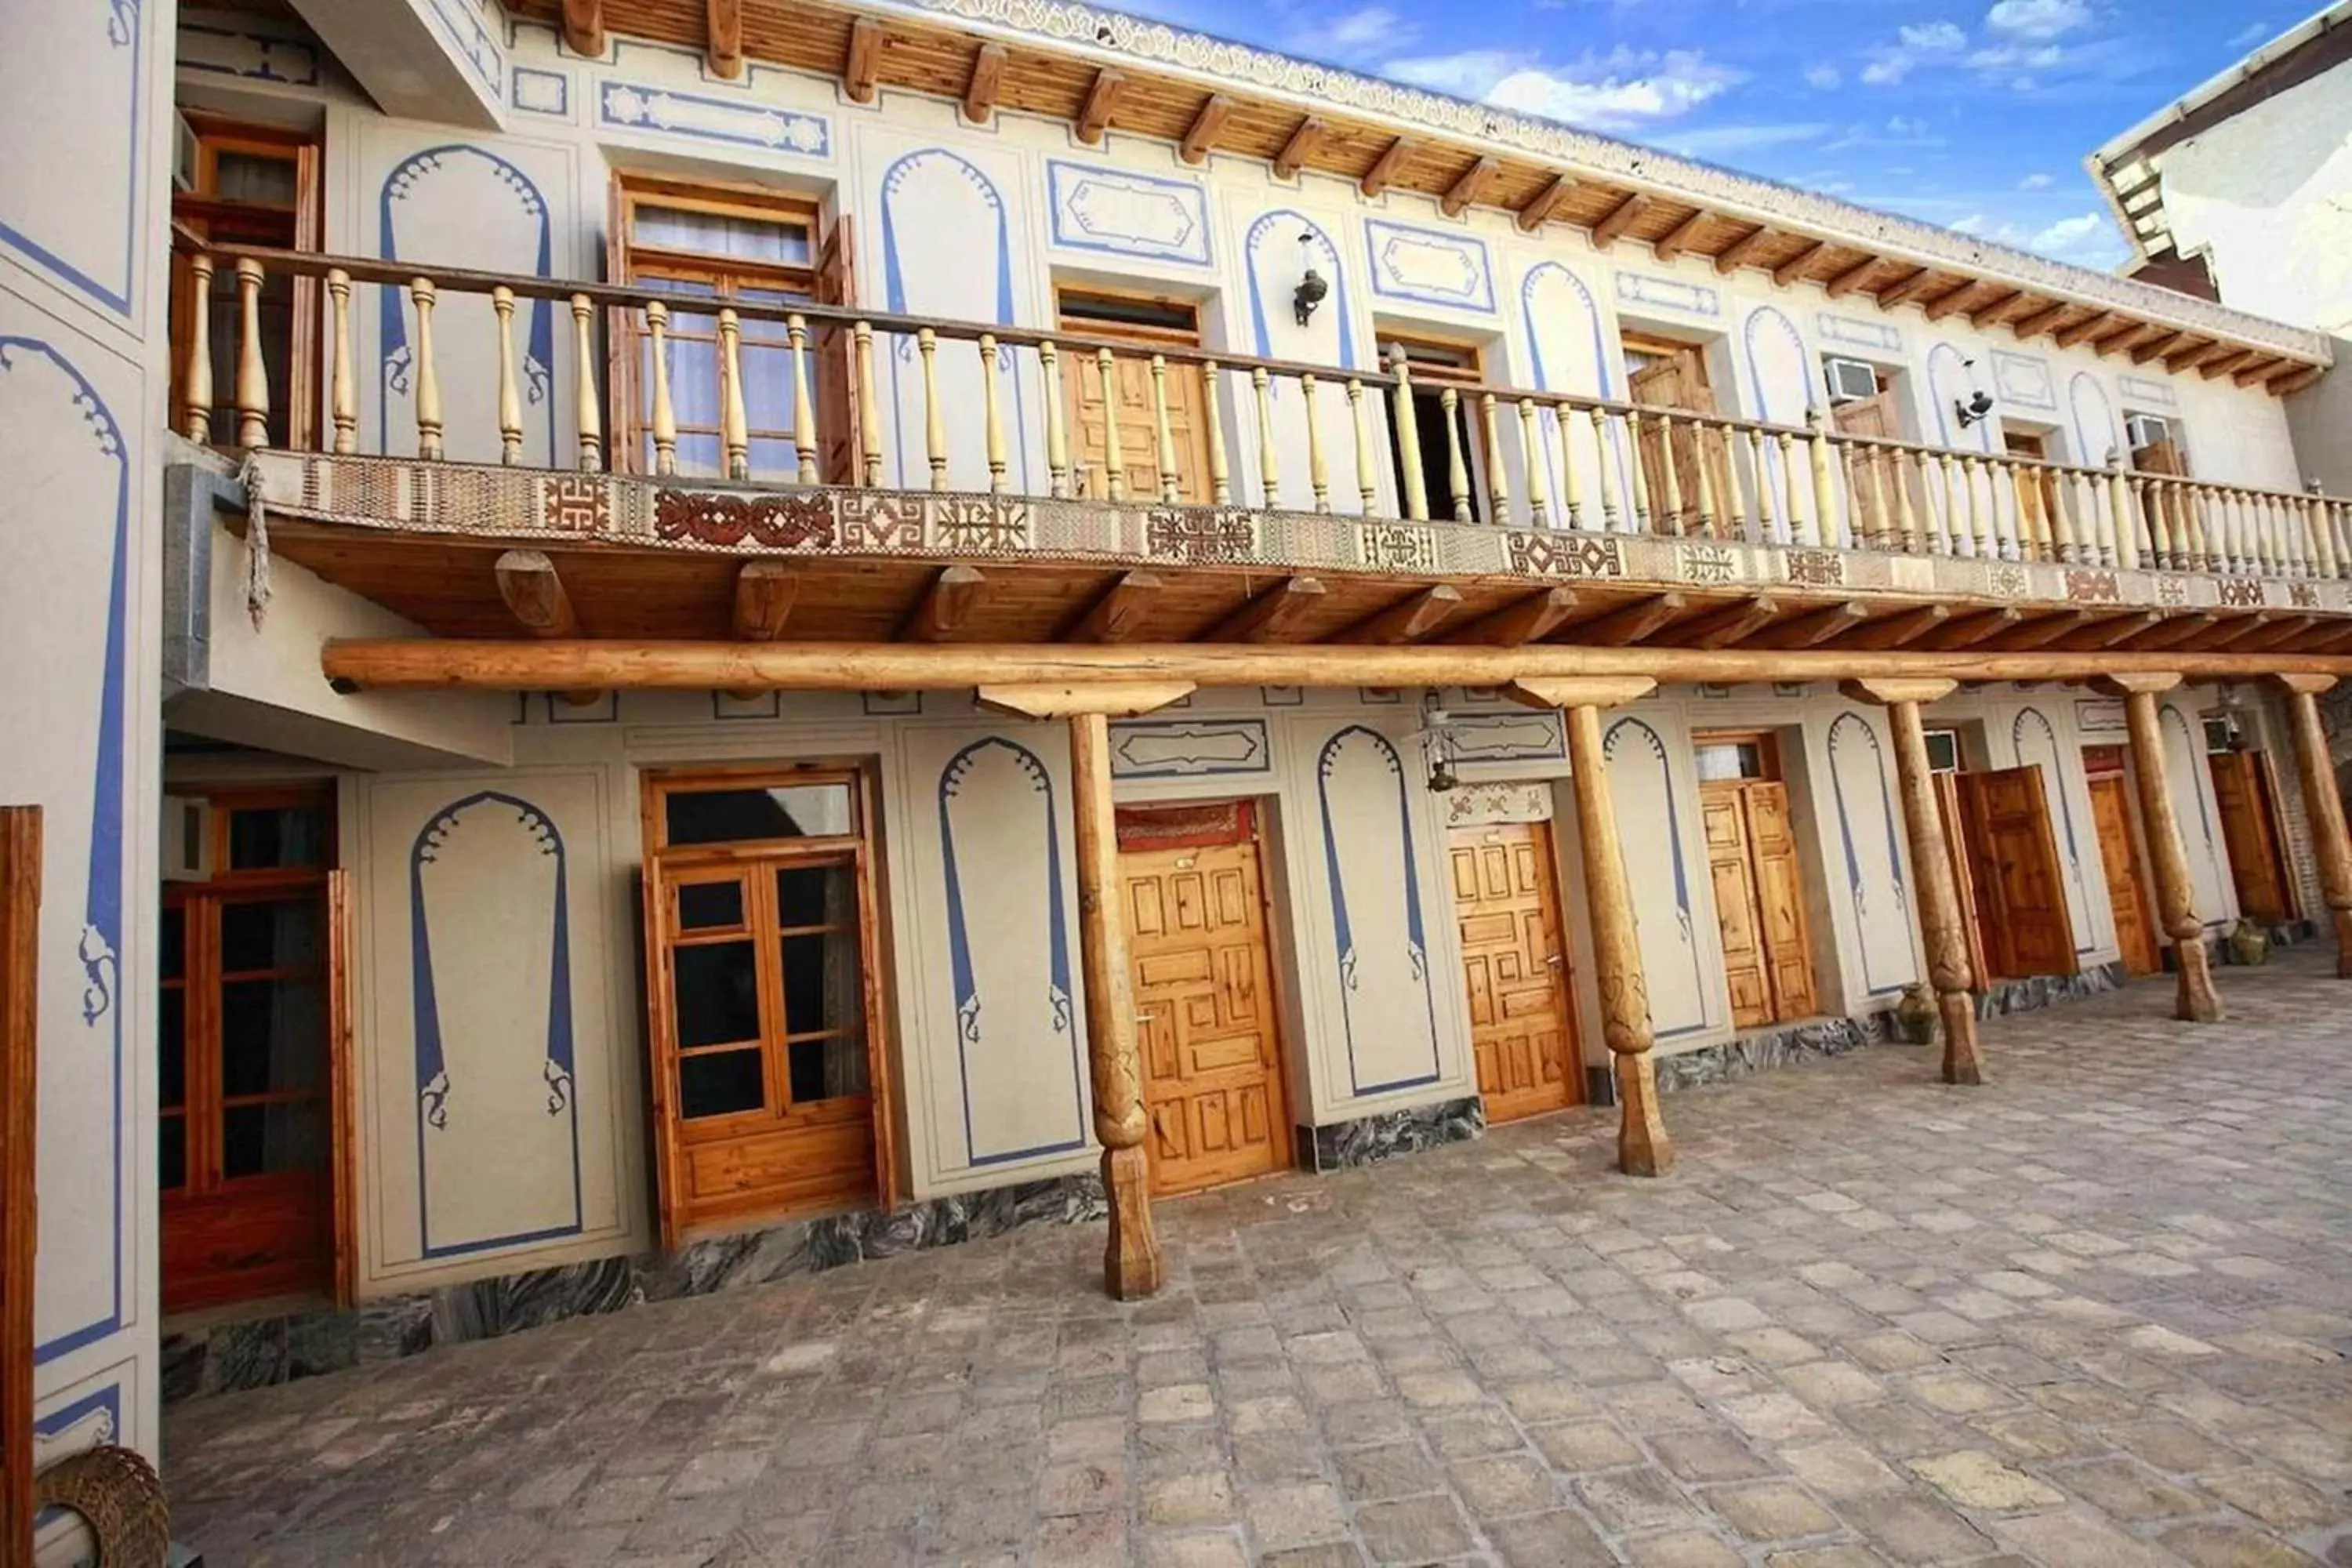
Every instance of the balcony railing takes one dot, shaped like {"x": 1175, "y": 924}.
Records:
{"x": 1541, "y": 460}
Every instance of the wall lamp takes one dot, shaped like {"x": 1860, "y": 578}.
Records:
{"x": 1973, "y": 409}
{"x": 1312, "y": 286}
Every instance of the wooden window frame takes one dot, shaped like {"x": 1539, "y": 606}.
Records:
{"x": 201, "y": 978}
{"x": 1767, "y": 742}
{"x": 1434, "y": 375}
{"x": 296, "y": 387}
{"x": 862, "y": 849}
{"x": 1139, "y": 333}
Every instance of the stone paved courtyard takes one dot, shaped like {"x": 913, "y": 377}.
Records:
{"x": 2097, "y": 1312}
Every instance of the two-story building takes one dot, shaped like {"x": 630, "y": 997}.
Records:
{"x": 782, "y": 632}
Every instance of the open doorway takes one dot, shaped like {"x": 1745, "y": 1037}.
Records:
{"x": 2113, "y": 815}
{"x": 1515, "y": 967}
{"x": 1440, "y": 366}
{"x": 1864, "y": 401}
{"x": 2253, "y": 828}
{"x": 2037, "y": 488}
{"x": 1669, "y": 372}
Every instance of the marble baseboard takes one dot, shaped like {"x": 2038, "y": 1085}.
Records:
{"x": 2042, "y": 991}
{"x": 1368, "y": 1140}
{"x": 219, "y": 1358}
{"x": 1761, "y": 1051}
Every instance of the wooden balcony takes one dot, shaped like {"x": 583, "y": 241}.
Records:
{"x": 1614, "y": 526}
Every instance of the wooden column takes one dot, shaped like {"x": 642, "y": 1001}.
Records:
{"x": 1642, "y": 1146}
{"x": 2198, "y": 1001}
{"x": 1942, "y": 929}
{"x": 1133, "y": 1264}
{"x": 2323, "y": 808}
{"x": 20, "y": 920}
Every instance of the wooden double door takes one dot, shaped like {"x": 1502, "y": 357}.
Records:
{"x": 1515, "y": 967}
{"x": 2245, "y": 790}
{"x": 1134, "y": 389}
{"x": 1207, "y": 1017}
{"x": 2139, "y": 941}
{"x": 1666, "y": 375}
{"x": 1759, "y": 892}
{"x": 2011, "y": 879}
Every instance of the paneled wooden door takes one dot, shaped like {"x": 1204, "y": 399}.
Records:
{"x": 1207, "y": 1019}
{"x": 2247, "y": 795}
{"x": 1873, "y": 472}
{"x": 1150, "y": 326}
{"x": 2020, "y": 894}
{"x": 2111, "y": 815}
{"x": 1673, "y": 376}
{"x": 1515, "y": 965}
{"x": 1759, "y": 893}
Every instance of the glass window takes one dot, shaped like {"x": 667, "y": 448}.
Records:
{"x": 738, "y": 237}
{"x": 1730, "y": 760}
{"x": 708, "y": 906}
{"x": 281, "y": 1135}
{"x": 731, "y": 815}
{"x": 1943, "y": 750}
{"x": 277, "y": 837}
{"x": 716, "y": 988}
{"x": 282, "y": 934}
{"x": 721, "y": 1083}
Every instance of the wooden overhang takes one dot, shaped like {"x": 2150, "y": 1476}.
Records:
{"x": 935, "y": 55}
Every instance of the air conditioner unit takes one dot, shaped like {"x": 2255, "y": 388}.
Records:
{"x": 2146, "y": 431}
{"x": 183, "y": 155}
{"x": 187, "y": 838}
{"x": 1850, "y": 380}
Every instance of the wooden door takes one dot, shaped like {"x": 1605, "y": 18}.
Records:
{"x": 1514, "y": 966}
{"x": 839, "y": 433}
{"x": 2136, "y": 935}
{"x": 1676, "y": 379}
{"x": 1958, "y": 848}
{"x": 2037, "y": 491}
{"x": 1780, "y": 899}
{"x": 2244, "y": 792}
{"x": 1871, "y": 468}
{"x": 1151, "y": 327}
{"x": 2021, "y": 894}
{"x": 1205, "y": 1009}
{"x": 1759, "y": 900}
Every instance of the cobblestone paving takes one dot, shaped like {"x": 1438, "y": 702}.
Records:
{"x": 2097, "y": 1312}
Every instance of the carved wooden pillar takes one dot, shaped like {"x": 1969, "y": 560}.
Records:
{"x": 2198, "y": 1001}
{"x": 1942, "y": 931}
{"x": 1133, "y": 1265}
{"x": 1642, "y": 1146}
{"x": 2323, "y": 807}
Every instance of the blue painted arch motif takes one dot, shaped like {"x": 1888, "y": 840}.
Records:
{"x": 1370, "y": 917}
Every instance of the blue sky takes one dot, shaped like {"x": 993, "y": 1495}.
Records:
{"x": 1974, "y": 114}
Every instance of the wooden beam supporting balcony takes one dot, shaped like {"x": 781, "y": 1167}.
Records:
{"x": 1815, "y": 627}
{"x": 1744, "y": 249}
{"x": 765, "y": 592}
{"x": 2228, "y": 365}
{"x": 535, "y": 596}
{"x": 2288, "y": 385}
{"x": 1529, "y": 620}
{"x": 2108, "y": 633}
{"x": 1677, "y": 239}
{"x": 1968, "y": 630}
{"x": 1904, "y": 290}
{"x": 1303, "y": 144}
{"x": 1999, "y": 305}
{"x": 1899, "y": 631}
{"x": 861, "y": 65}
{"x": 722, "y": 29}
{"x": 1408, "y": 620}
{"x": 2267, "y": 367}
{"x": 2284, "y": 630}
{"x": 1208, "y": 124}
{"x": 583, "y": 27}
{"x": 2232, "y": 631}
{"x": 1618, "y": 219}
{"x": 1466, "y": 189}
{"x": 1538, "y": 213}
{"x": 1788, "y": 271}
{"x": 2156, "y": 347}
{"x": 944, "y": 608}
{"x": 1732, "y": 624}
{"x": 2041, "y": 321}
{"x": 2089, "y": 327}
{"x": 2192, "y": 353}
{"x": 1118, "y": 612}
{"x": 1631, "y": 623}
{"x": 2041, "y": 632}
{"x": 2169, "y": 632}
{"x": 1950, "y": 302}
{"x": 987, "y": 81}
{"x": 1271, "y": 615}
{"x": 1384, "y": 169}
{"x": 1102, "y": 103}
{"x": 1847, "y": 281}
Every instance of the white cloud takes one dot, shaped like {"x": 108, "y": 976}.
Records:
{"x": 1350, "y": 35}
{"x": 2036, "y": 18}
{"x": 1824, "y": 78}
{"x": 1623, "y": 90}
{"x": 1934, "y": 37}
{"x": 2089, "y": 239}
{"x": 1910, "y": 127}
{"x": 1972, "y": 224}
{"x": 2252, "y": 33}
{"x": 2036, "y": 183}
{"x": 1913, "y": 45}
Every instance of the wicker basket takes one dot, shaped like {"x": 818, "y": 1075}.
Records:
{"x": 118, "y": 1494}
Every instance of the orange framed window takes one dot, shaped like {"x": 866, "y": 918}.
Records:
{"x": 251, "y": 185}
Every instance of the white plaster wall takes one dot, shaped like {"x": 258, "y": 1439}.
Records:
{"x": 84, "y": 114}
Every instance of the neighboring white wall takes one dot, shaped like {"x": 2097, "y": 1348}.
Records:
{"x": 85, "y": 95}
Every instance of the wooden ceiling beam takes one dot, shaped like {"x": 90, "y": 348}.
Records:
{"x": 2106, "y": 634}
{"x": 1628, "y": 624}
{"x": 2277, "y": 634}
{"x": 1949, "y": 300}
{"x": 945, "y": 605}
{"x": 1301, "y": 147}
{"x": 2227, "y": 364}
{"x": 2287, "y": 387}
{"x": 1788, "y": 271}
{"x": 1903, "y": 290}
{"x": 2088, "y": 327}
{"x": 1733, "y": 623}
{"x": 2262, "y": 369}
{"x": 2131, "y": 334}
{"x": 1815, "y": 627}
{"x": 2169, "y": 633}
{"x": 2234, "y": 631}
{"x": 1408, "y": 620}
{"x": 1965, "y": 631}
{"x": 987, "y": 81}
{"x": 2040, "y": 632}
{"x": 2192, "y": 354}
{"x": 765, "y": 592}
{"x": 1268, "y": 616}
{"x": 1383, "y": 172}
{"x": 1119, "y": 611}
{"x": 1677, "y": 239}
{"x": 1993, "y": 309}
{"x": 1618, "y": 219}
{"x": 1743, "y": 250}
{"x": 722, "y": 48}
{"x": 1847, "y": 281}
{"x": 2154, "y": 348}
{"x": 2041, "y": 321}
{"x": 535, "y": 596}
{"x": 1102, "y": 103}
{"x": 1208, "y": 124}
{"x": 583, "y": 27}
{"x": 1538, "y": 213}
{"x": 1526, "y": 620}
{"x": 1899, "y": 631}
{"x": 1464, "y": 190}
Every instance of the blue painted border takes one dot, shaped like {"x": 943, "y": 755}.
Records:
{"x": 562, "y": 80}
{"x": 1543, "y": 373}
{"x": 1682, "y": 875}
{"x": 126, "y": 28}
{"x": 2011, "y": 357}
{"x": 894, "y": 284}
{"x": 1482, "y": 301}
{"x": 2088, "y": 453}
{"x": 1554, "y": 747}
{"x": 1854, "y": 888}
{"x": 1629, "y": 286}
{"x": 270, "y": 46}
{"x": 1260, "y": 762}
{"x": 481, "y": 53}
{"x": 433, "y": 1084}
{"x": 109, "y": 1399}
{"x": 2056, "y": 784}
{"x": 966, "y": 988}
{"x": 1774, "y": 471}
{"x": 1203, "y": 255}
{"x": 1338, "y": 282}
{"x": 101, "y": 942}
{"x": 1343, "y": 934}
{"x": 608, "y": 86}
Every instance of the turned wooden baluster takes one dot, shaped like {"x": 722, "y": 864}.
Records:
{"x": 1408, "y": 428}
{"x": 992, "y": 414}
{"x": 1949, "y": 479}
{"x": 1367, "y": 473}
{"x": 342, "y": 385}
{"x": 1113, "y": 449}
{"x": 2318, "y": 534}
{"x": 1457, "y": 471}
{"x": 1269, "y": 466}
{"x": 1711, "y": 506}
{"x": 2099, "y": 547}
{"x": 502, "y": 304}
{"x": 1531, "y": 444}
{"x": 1499, "y": 488}
{"x": 1825, "y": 513}
{"x": 1571, "y": 486}
{"x": 869, "y": 411}
{"x": 935, "y": 430}
{"x": 1907, "y": 516}
{"x": 1604, "y": 465}
{"x": 252, "y": 371}
{"x": 1792, "y": 492}
{"x": 428, "y": 380}
{"x": 1676, "y": 522}
{"x": 804, "y": 405}
{"x": 1764, "y": 527}
{"x": 1882, "y": 503}
{"x": 2131, "y": 536}
{"x": 1318, "y": 473}
{"x": 1984, "y": 512}
{"x": 1057, "y": 435}
{"x": 1638, "y": 501}
{"x": 734, "y": 424}
{"x": 664, "y": 420}
{"x": 1221, "y": 478}
{"x": 1170, "y": 480}
{"x": 197, "y": 370}
{"x": 584, "y": 355}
